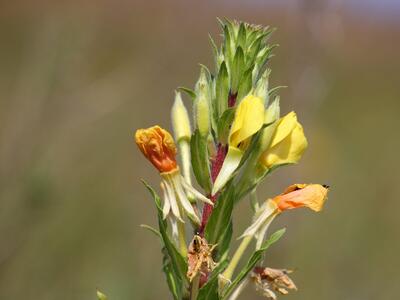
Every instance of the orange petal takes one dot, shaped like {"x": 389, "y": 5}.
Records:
{"x": 312, "y": 196}
{"x": 158, "y": 146}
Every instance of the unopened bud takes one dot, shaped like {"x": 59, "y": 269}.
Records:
{"x": 261, "y": 89}
{"x": 202, "y": 103}
{"x": 180, "y": 119}
{"x": 203, "y": 115}
{"x": 271, "y": 115}
{"x": 273, "y": 111}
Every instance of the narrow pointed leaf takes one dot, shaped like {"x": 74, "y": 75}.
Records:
{"x": 222, "y": 89}
{"x": 237, "y": 69}
{"x": 188, "y": 91}
{"x": 220, "y": 217}
{"x": 200, "y": 161}
{"x": 257, "y": 255}
{"x": 178, "y": 264}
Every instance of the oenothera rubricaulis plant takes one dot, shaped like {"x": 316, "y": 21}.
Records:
{"x": 238, "y": 138}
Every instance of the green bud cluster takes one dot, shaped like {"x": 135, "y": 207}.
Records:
{"x": 240, "y": 68}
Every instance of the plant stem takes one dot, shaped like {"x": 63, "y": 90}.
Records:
{"x": 194, "y": 292}
{"x": 182, "y": 238}
{"x": 236, "y": 257}
{"x": 216, "y": 166}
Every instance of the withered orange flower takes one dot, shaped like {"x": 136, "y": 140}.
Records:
{"x": 312, "y": 196}
{"x": 158, "y": 146}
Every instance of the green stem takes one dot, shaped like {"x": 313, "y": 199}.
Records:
{"x": 195, "y": 287}
{"x": 254, "y": 200}
{"x": 236, "y": 257}
{"x": 182, "y": 238}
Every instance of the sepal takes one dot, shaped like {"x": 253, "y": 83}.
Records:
{"x": 231, "y": 162}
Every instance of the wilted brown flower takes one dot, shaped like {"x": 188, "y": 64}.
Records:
{"x": 268, "y": 281}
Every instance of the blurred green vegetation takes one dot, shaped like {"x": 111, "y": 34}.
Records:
{"x": 77, "y": 79}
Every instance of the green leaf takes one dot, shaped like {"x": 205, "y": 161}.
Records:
{"x": 224, "y": 124}
{"x": 241, "y": 38}
{"x": 227, "y": 47}
{"x": 215, "y": 51}
{"x": 178, "y": 266}
{"x": 188, "y": 91}
{"x": 245, "y": 85}
{"x": 200, "y": 161}
{"x": 257, "y": 255}
{"x": 209, "y": 291}
{"x": 222, "y": 89}
{"x": 151, "y": 229}
{"x": 225, "y": 241}
{"x": 264, "y": 55}
{"x": 237, "y": 69}
{"x": 220, "y": 216}
{"x": 255, "y": 46}
{"x": 173, "y": 282}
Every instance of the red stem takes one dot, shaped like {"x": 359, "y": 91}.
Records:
{"x": 215, "y": 168}
{"x": 216, "y": 165}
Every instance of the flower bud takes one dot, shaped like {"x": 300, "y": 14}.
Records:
{"x": 271, "y": 115}
{"x": 273, "y": 111}
{"x": 180, "y": 119}
{"x": 202, "y": 104}
{"x": 158, "y": 147}
{"x": 261, "y": 89}
{"x": 203, "y": 115}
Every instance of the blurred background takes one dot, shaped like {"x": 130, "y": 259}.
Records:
{"x": 77, "y": 78}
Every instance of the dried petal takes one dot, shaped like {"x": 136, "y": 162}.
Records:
{"x": 158, "y": 146}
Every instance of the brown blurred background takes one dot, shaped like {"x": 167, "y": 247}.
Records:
{"x": 77, "y": 79}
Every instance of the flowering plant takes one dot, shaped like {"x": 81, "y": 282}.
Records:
{"x": 238, "y": 138}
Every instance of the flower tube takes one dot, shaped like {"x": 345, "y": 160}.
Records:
{"x": 249, "y": 118}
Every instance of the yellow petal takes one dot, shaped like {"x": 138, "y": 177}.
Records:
{"x": 249, "y": 119}
{"x": 285, "y": 126}
{"x": 288, "y": 144}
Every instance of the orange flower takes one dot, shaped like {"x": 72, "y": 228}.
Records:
{"x": 312, "y": 196}
{"x": 158, "y": 146}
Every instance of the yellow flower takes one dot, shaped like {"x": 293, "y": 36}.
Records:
{"x": 312, "y": 196}
{"x": 158, "y": 146}
{"x": 288, "y": 143}
{"x": 249, "y": 119}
